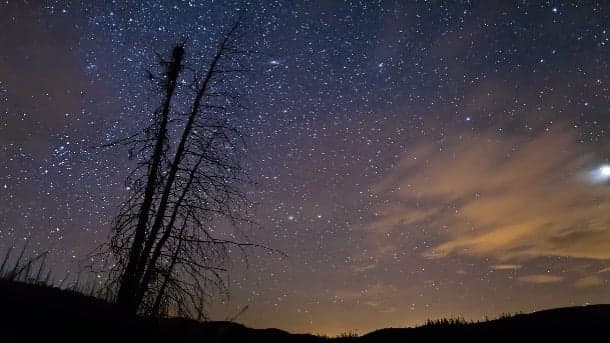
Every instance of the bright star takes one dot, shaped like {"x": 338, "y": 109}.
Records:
{"x": 600, "y": 174}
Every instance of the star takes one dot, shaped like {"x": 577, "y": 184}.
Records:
{"x": 599, "y": 174}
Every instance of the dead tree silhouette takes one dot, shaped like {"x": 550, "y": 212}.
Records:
{"x": 189, "y": 171}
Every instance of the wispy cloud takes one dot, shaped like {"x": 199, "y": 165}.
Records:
{"x": 363, "y": 268}
{"x": 505, "y": 197}
{"x": 506, "y": 266}
{"x": 589, "y": 281}
{"x": 604, "y": 270}
{"x": 374, "y": 295}
{"x": 372, "y": 303}
{"x": 540, "y": 278}
{"x": 374, "y": 290}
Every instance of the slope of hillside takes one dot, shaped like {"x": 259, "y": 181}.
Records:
{"x": 30, "y": 312}
{"x": 555, "y": 324}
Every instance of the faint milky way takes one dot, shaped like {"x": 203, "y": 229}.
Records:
{"x": 413, "y": 160}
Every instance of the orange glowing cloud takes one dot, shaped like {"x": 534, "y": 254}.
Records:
{"x": 500, "y": 196}
{"x": 589, "y": 281}
{"x": 540, "y": 278}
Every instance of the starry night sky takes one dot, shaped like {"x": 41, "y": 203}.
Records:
{"x": 413, "y": 160}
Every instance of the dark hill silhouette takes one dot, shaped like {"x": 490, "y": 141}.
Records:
{"x": 33, "y": 312}
{"x": 36, "y": 313}
{"x": 569, "y": 323}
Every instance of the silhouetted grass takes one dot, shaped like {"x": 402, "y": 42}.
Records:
{"x": 431, "y": 323}
{"x": 23, "y": 269}
{"x": 33, "y": 270}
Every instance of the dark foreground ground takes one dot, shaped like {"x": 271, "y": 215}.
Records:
{"x": 44, "y": 314}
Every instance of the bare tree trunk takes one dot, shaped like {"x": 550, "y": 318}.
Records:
{"x": 168, "y": 273}
{"x": 129, "y": 282}
{"x": 169, "y": 184}
{"x": 165, "y": 252}
{"x": 150, "y": 270}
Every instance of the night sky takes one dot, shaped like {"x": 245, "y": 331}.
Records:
{"x": 414, "y": 161}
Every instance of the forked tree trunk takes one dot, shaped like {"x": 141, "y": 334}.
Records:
{"x": 128, "y": 289}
